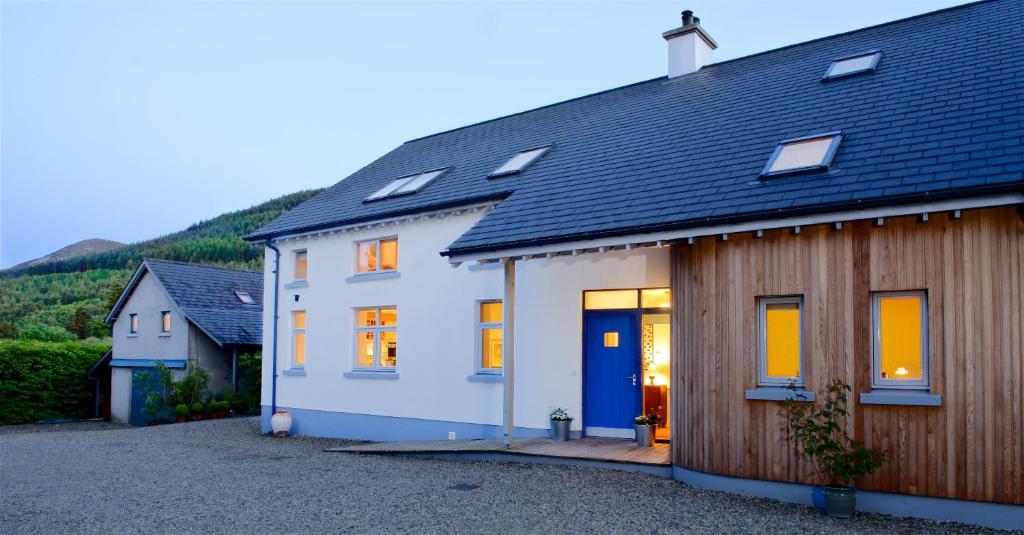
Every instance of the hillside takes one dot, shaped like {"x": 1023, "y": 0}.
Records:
{"x": 39, "y": 301}
{"x": 76, "y": 249}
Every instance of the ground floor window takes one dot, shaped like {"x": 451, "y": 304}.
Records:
{"x": 779, "y": 355}
{"x": 376, "y": 338}
{"x": 299, "y": 338}
{"x": 900, "y": 321}
{"x": 489, "y": 336}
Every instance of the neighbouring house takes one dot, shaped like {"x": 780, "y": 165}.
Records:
{"x": 179, "y": 314}
{"x": 846, "y": 208}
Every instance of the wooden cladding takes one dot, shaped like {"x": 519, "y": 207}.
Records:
{"x": 972, "y": 268}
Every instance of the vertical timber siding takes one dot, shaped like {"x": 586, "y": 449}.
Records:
{"x": 972, "y": 447}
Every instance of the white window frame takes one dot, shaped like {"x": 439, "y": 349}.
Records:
{"x": 376, "y": 330}
{"x": 479, "y": 332}
{"x": 876, "y": 56}
{"x": 165, "y": 322}
{"x": 247, "y": 299}
{"x": 295, "y": 331}
{"x": 379, "y": 268}
{"x": 540, "y": 152}
{"x": 133, "y": 323}
{"x": 835, "y": 138}
{"x": 762, "y": 340}
{"x": 295, "y": 264}
{"x": 877, "y": 382}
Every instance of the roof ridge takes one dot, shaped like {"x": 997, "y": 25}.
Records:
{"x": 192, "y": 264}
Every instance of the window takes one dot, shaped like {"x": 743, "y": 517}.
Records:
{"x": 377, "y": 255}
{"x": 656, "y": 298}
{"x": 803, "y": 154}
{"x": 244, "y": 297}
{"x": 610, "y": 299}
{"x": 376, "y": 338}
{"x": 900, "y": 321}
{"x": 489, "y": 336}
{"x": 133, "y": 324}
{"x": 520, "y": 161}
{"x": 165, "y": 321}
{"x": 299, "y": 338}
{"x": 301, "y": 266}
{"x": 407, "y": 184}
{"x": 850, "y": 65}
{"x": 779, "y": 341}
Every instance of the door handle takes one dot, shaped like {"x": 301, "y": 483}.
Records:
{"x": 633, "y": 377}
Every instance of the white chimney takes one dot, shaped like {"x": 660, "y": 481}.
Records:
{"x": 689, "y": 46}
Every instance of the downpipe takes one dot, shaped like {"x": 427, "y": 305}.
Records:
{"x": 273, "y": 336}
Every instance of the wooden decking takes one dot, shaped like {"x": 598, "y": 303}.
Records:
{"x": 588, "y": 449}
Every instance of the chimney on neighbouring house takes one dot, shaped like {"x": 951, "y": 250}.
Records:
{"x": 689, "y": 46}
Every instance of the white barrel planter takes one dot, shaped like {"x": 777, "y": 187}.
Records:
{"x": 281, "y": 423}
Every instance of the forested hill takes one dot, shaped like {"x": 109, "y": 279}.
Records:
{"x": 65, "y": 299}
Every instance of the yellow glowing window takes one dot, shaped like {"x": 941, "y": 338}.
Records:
{"x": 299, "y": 338}
{"x": 611, "y": 339}
{"x": 610, "y": 299}
{"x": 376, "y": 338}
{"x": 780, "y": 341}
{"x": 133, "y": 323}
{"x": 377, "y": 255}
{"x": 389, "y": 254}
{"x": 165, "y": 321}
{"x": 901, "y": 356}
{"x": 301, "y": 265}
{"x": 489, "y": 337}
{"x": 656, "y": 298}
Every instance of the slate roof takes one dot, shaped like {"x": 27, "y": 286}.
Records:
{"x": 940, "y": 118}
{"x": 206, "y": 296}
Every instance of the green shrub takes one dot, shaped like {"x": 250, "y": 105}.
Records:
{"x": 45, "y": 333}
{"x": 197, "y": 407}
{"x": 191, "y": 388}
{"x": 43, "y": 380}
{"x": 181, "y": 409}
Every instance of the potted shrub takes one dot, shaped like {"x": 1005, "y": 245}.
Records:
{"x": 560, "y": 422}
{"x": 218, "y": 410}
{"x": 197, "y": 411}
{"x": 225, "y": 409}
{"x": 839, "y": 461}
{"x": 644, "y": 426}
{"x": 181, "y": 411}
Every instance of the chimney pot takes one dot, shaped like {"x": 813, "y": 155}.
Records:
{"x": 687, "y": 17}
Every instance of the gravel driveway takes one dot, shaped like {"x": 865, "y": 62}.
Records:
{"x": 222, "y": 476}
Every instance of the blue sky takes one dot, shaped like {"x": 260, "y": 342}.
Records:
{"x": 128, "y": 120}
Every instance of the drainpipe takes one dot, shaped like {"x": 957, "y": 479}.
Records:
{"x": 234, "y": 369}
{"x": 273, "y": 336}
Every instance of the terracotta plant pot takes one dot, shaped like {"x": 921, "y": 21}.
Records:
{"x": 197, "y": 416}
{"x": 182, "y": 419}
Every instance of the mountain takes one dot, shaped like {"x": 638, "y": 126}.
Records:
{"x": 84, "y": 247}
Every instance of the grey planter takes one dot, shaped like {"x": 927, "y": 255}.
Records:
{"x": 644, "y": 435}
{"x": 840, "y": 502}
{"x": 560, "y": 429}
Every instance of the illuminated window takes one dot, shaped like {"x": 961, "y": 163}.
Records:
{"x": 779, "y": 341}
{"x": 244, "y": 297}
{"x": 861, "y": 63}
{"x": 133, "y": 324}
{"x": 520, "y": 161}
{"x": 376, "y": 338}
{"x": 165, "y": 321}
{"x": 610, "y": 299}
{"x": 611, "y": 339}
{"x": 377, "y": 255}
{"x": 803, "y": 154}
{"x": 489, "y": 336}
{"x": 656, "y": 298}
{"x": 900, "y": 322}
{"x": 407, "y": 184}
{"x": 299, "y": 338}
{"x": 301, "y": 266}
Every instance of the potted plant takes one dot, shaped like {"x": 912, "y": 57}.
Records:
{"x": 839, "y": 461}
{"x": 644, "y": 426}
{"x": 560, "y": 422}
{"x": 218, "y": 409}
{"x": 181, "y": 411}
{"x": 197, "y": 411}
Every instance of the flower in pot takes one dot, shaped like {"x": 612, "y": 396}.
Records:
{"x": 819, "y": 433}
{"x": 644, "y": 425}
{"x": 181, "y": 411}
{"x": 560, "y": 422}
{"x": 197, "y": 411}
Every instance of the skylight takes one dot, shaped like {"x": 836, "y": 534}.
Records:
{"x": 521, "y": 161}
{"x": 244, "y": 297}
{"x": 407, "y": 184}
{"x": 861, "y": 63}
{"x": 803, "y": 154}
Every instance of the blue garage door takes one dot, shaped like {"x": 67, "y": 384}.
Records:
{"x": 139, "y": 393}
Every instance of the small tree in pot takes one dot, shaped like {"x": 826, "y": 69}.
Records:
{"x": 560, "y": 422}
{"x": 838, "y": 460}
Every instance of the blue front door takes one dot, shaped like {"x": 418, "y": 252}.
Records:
{"x": 612, "y": 379}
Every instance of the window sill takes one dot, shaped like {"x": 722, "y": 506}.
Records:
{"x": 901, "y": 397}
{"x": 379, "y": 276}
{"x": 296, "y": 284}
{"x": 164, "y": 335}
{"x": 778, "y": 393}
{"x": 132, "y": 336}
{"x": 294, "y": 372}
{"x": 486, "y": 378}
{"x": 370, "y": 375}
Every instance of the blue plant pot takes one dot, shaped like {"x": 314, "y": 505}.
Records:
{"x": 818, "y": 497}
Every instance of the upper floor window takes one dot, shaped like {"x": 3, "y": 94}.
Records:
{"x": 803, "y": 154}
{"x": 133, "y": 324}
{"x": 850, "y": 65}
{"x": 489, "y": 336}
{"x": 779, "y": 344}
{"x": 407, "y": 184}
{"x": 377, "y": 255}
{"x": 165, "y": 321}
{"x": 521, "y": 161}
{"x": 376, "y": 338}
{"x": 299, "y": 338}
{"x": 900, "y": 322}
{"x": 301, "y": 266}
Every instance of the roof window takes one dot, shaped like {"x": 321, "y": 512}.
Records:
{"x": 407, "y": 184}
{"x": 803, "y": 154}
{"x": 850, "y": 65}
{"x": 244, "y": 297}
{"x": 521, "y": 161}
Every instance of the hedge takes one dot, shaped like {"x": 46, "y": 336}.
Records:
{"x": 43, "y": 380}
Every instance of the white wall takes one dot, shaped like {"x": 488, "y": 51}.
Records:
{"x": 148, "y": 300}
{"x": 120, "y": 394}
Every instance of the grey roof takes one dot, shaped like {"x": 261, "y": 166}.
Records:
{"x": 206, "y": 296}
{"x": 941, "y": 117}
